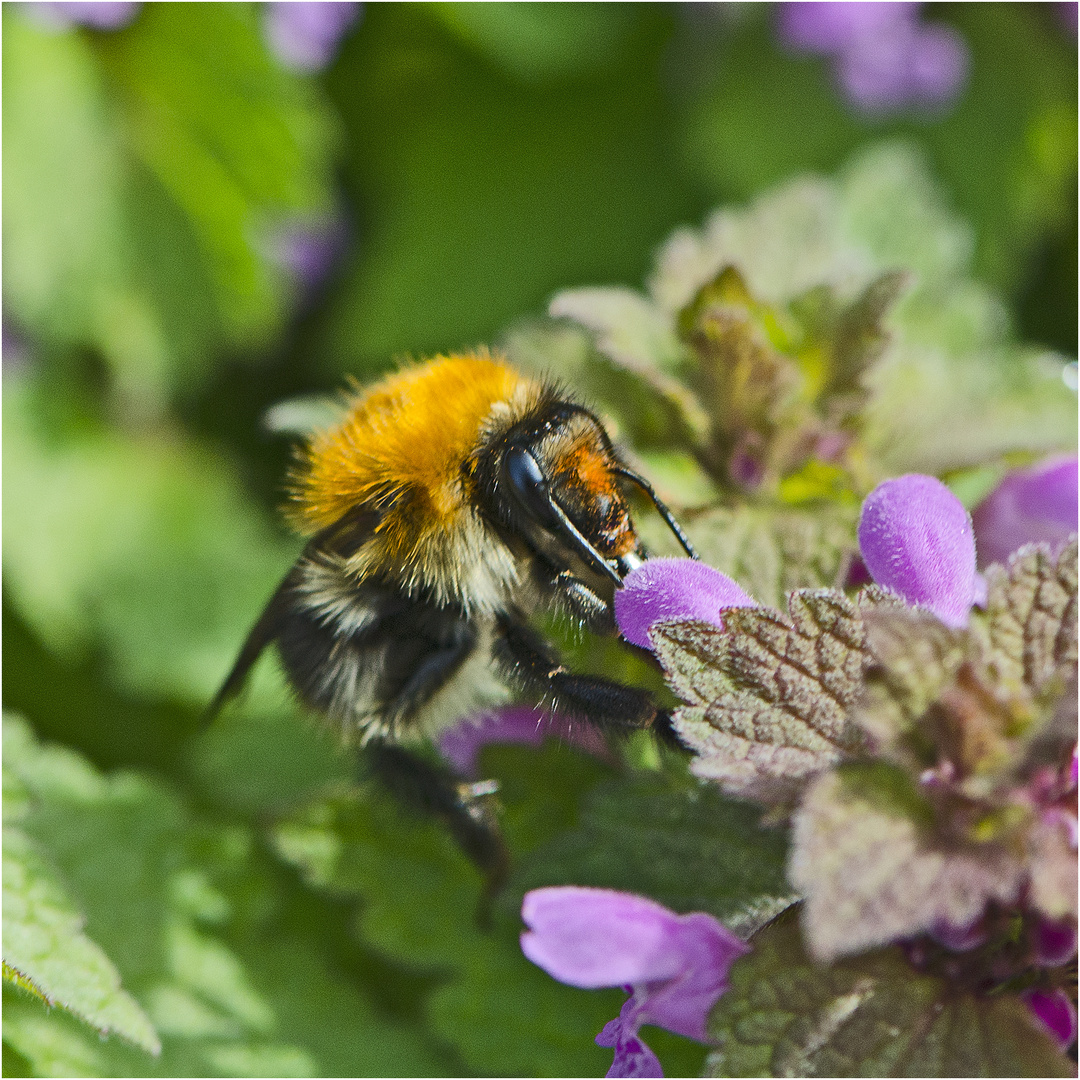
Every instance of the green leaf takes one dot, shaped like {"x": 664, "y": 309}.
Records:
{"x": 540, "y": 43}
{"x": 786, "y": 1015}
{"x": 62, "y": 181}
{"x": 1031, "y": 609}
{"x": 205, "y": 935}
{"x": 45, "y": 945}
{"x": 485, "y": 195}
{"x": 768, "y": 698}
{"x": 871, "y": 872}
{"x": 169, "y": 564}
{"x": 688, "y": 847}
{"x": 236, "y": 139}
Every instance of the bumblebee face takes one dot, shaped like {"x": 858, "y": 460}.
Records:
{"x": 553, "y": 481}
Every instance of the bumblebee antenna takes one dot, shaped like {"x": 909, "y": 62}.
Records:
{"x": 662, "y": 509}
{"x": 581, "y": 543}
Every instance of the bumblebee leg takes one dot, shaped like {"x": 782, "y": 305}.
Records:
{"x": 610, "y": 706}
{"x": 465, "y": 808}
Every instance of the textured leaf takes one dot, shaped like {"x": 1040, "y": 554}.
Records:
{"x": 204, "y": 935}
{"x": 1031, "y": 608}
{"x": 691, "y": 849}
{"x": 45, "y": 945}
{"x": 787, "y": 1015}
{"x": 870, "y": 874}
{"x": 232, "y": 136}
{"x": 768, "y": 699}
{"x": 915, "y": 655}
{"x": 637, "y": 336}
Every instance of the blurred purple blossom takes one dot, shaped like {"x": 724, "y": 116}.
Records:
{"x": 1055, "y": 942}
{"x": 1028, "y": 506}
{"x": 308, "y": 248}
{"x": 461, "y": 743}
{"x": 99, "y": 16}
{"x": 669, "y": 588}
{"x": 675, "y": 967}
{"x": 305, "y": 34}
{"x": 916, "y": 538}
{"x": 1056, "y": 1012}
{"x": 883, "y": 56}
{"x": 1067, "y": 14}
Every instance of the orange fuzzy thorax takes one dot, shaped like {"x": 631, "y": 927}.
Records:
{"x": 402, "y": 445}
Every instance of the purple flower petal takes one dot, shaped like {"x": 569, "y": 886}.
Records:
{"x": 669, "y": 588}
{"x": 102, "y": 15}
{"x": 305, "y": 34}
{"x": 599, "y": 937}
{"x": 676, "y": 966}
{"x": 461, "y": 743}
{"x": 1055, "y": 942}
{"x": 834, "y": 27}
{"x": 633, "y": 1057}
{"x": 1028, "y": 506}
{"x": 916, "y": 539}
{"x": 1056, "y": 1012}
{"x": 938, "y": 65}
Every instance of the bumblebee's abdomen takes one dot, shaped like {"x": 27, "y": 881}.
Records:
{"x": 367, "y": 656}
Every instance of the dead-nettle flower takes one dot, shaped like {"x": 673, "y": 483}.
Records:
{"x": 97, "y": 14}
{"x": 923, "y": 748}
{"x": 916, "y": 539}
{"x": 1056, "y": 1011}
{"x": 674, "y": 967}
{"x": 667, "y": 588}
{"x": 305, "y": 34}
{"x": 462, "y": 742}
{"x": 1028, "y": 506}
{"x": 884, "y": 57}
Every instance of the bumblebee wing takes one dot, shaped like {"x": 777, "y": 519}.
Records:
{"x": 340, "y": 538}
{"x": 262, "y": 633}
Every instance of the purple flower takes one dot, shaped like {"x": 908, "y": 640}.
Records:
{"x": 1055, "y": 1010}
{"x": 305, "y": 35}
{"x": 308, "y": 249}
{"x": 99, "y": 16}
{"x": 461, "y": 743}
{"x": 1029, "y": 505}
{"x": 916, "y": 539}
{"x": 884, "y": 58}
{"x": 1055, "y": 942}
{"x": 675, "y": 967}
{"x": 670, "y": 588}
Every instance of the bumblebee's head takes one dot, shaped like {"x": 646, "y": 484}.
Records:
{"x": 554, "y": 479}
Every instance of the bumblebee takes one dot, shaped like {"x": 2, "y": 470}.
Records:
{"x": 454, "y": 500}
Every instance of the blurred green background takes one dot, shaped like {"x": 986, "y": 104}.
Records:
{"x": 194, "y": 232}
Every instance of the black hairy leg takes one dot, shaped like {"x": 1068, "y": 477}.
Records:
{"x": 526, "y": 658}
{"x": 465, "y": 808}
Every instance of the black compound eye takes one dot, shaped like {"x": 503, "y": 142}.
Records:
{"x": 529, "y": 485}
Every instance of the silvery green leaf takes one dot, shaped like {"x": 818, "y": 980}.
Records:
{"x": 787, "y": 1014}
{"x": 768, "y": 698}
{"x": 865, "y": 860}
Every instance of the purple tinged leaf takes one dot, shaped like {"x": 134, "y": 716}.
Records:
{"x": 305, "y": 34}
{"x": 676, "y": 966}
{"x": 1028, "y": 506}
{"x": 916, "y": 539}
{"x": 461, "y": 743}
{"x": 667, "y": 589}
{"x": 1055, "y": 1010}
